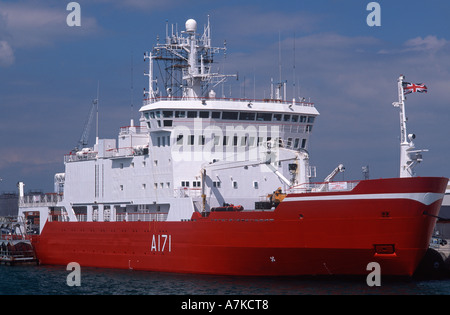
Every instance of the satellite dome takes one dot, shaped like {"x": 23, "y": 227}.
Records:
{"x": 191, "y": 25}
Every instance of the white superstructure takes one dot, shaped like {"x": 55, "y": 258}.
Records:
{"x": 192, "y": 151}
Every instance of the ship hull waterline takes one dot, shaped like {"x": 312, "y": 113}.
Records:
{"x": 388, "y": 221}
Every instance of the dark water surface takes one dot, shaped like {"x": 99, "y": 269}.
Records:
{"x": 45, "y": 280}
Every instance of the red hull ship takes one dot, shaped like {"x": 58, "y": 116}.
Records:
{"x": 388, "y": 221}
{"x": 163, "y": 197}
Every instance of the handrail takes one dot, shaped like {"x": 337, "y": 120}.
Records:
{"x": 184, "y": 98}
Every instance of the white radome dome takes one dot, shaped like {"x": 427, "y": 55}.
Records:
{"x": 191, "y": 25}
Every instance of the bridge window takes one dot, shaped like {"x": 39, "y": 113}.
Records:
{"x": 167, "y": 114}
{"x": 180, "y": 114}
{"x": 247, "y": 116}
{"x": 230, "y": 115}
{"x": 277, "y": 117}
{"x": 204, "y": 114}
{"x": 264, "y": 117}
{"x": 192, "y": 114}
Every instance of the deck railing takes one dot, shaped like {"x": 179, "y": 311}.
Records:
{"x": 43, "y": 200}
{"x": 324, "y": 187}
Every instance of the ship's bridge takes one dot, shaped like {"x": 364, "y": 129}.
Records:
{"x": 294, "y": 120}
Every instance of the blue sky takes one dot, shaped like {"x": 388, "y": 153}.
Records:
{"x": 49, "y": 74}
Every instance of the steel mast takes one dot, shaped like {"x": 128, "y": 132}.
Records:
{"x": 409, "y": 157}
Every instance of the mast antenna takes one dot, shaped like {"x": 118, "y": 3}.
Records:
{"x": 409, "y": 157}
{"x": 96, "y": 101}
{"x": 131, "y": 92}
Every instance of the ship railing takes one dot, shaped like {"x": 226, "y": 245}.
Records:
{"x": 134, "y": 217}
{"x": 58, "y": 218}
{"x": 15, "y": 252}
{"x": 44, "y": 200}
{"x": 80, "y": 156}
{"x": 133, "y": 130}
{"x": 323, "y": 187}
{"x": 126, "y": 151}
{"x": 228, "y": 99}
{"x": 186, "y": 192}
{"x": 130, "y": 217}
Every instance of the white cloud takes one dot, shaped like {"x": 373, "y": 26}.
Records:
{"x": 26, "y": 24}
{"x": 429, "y": 43}
{"x": 6, "y": 54}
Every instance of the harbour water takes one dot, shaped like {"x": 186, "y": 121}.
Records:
{"x": 52, "y": 280}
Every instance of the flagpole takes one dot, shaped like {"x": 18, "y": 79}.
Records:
{"x": 401, "y": 105}
{"x": 409, "y": 157}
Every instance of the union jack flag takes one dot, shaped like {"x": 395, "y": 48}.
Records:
{"x": 411, "y": 87}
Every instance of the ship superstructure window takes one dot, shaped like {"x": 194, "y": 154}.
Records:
{"x": 158, "y": 114}
{"x": 287, "y": 118}
{"x": 167, "y": 123}
{"x": 191, "y": 140}
{"x": 277, "y": 117}
{"x": 216, "y": 140}
{"x": 152, "y": 115}
{"x": 216, "y": 184}
{"x": 247, "y": 116}
{"x": 192, "y": 114}
{"x": 255, "y": 185}
{"x": 294, "y": 118}
{"x": 302, "y": 119}
{"x": 196, "y": 184}
{"x": 180, "y": 114}
{"x": 180, "y": 139}
{"x": 264, "y": 117}
{"x": 167, "y": 114}
{"x": 203, "y": 114}
{"x": 235, "y": 184}
{"x": 311, "y": 119}
{"x": 289, "y": 142}
{"x": 303, "y": 143}
{"x": 230, "y": 115}
{"x": 215, "y": 115}
{"x": 296, "y": 143}
{"x": 184, "y": 183}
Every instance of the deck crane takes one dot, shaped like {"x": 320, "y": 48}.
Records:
{"x": 83, "y": 142}
{"x": 339, "y": 169}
